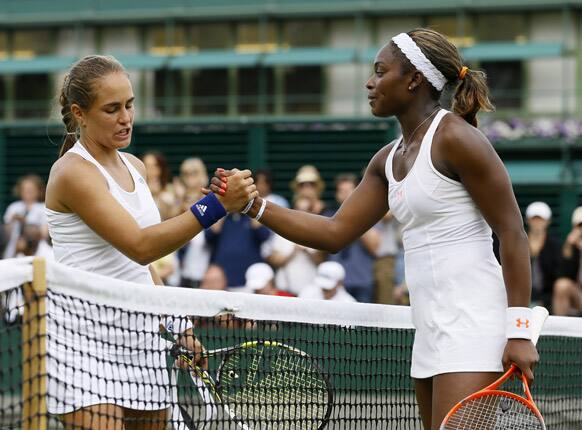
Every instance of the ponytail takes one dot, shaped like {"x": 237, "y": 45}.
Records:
{"x": 471, "y": 96}
{"x": 70, "y": 136}
{"x": 471, "y": 92}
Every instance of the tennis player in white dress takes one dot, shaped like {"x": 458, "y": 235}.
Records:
{"x": 444, "y": 182}
{"x": 102, "y": 218}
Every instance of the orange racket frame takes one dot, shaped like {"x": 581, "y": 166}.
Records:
{"x": 540, "y": 314}
{"x": 492, "y": 390}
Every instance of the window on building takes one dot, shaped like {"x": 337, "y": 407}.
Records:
{"x": 255, "y": 91}
{"x": 505, "y": 80}
{"x": 32, "y": 43}
{"x": 168, "y": 92}
{"x": 500, "y": 28}
{"x": 167, "y": 40}
{"x": 303, "y": 89}
{"x": 459, "y": 30}
{"x": 210, "y": 92}
{"x": 3, "y": 45}
{"x": 255, "y": 37}
{"x": 304, "y": 33}
{"x": 31, "y": 93}
{"x": 210, "y": 36}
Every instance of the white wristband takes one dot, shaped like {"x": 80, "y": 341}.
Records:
{"x": 248, "y": 206}
{"x": 261, "y": 210}
{"x": 519, "y": 323}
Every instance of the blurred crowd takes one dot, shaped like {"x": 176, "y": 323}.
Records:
{"x": 239, "y": 254}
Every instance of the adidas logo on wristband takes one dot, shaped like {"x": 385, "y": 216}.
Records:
{"x": 201, "y": 209}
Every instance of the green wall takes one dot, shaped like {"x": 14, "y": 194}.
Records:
{"x": 540, "y": 169}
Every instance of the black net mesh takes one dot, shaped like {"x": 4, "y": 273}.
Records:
{"x": 106, "y": 366}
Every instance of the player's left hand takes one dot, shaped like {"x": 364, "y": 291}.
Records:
{"x": 189, "y": 341}
{"x": 523, "y": 354}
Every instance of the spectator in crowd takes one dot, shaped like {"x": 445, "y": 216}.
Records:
{"x": 214, "y": 279}
{"x": 308, "y": 184}
{"x": 544, "y": 252}
{"x": 567, "y": 296}
{"x": 158, "y": 180}
{"x": 384, "y": 265}
{"x": 328, "y": 284}
{"x": 29, "y": 209}
{"x": 193, "y": 176}
{"x": 357, "y": 258}
{"x": 167, "y": 269}
{"x": 31, "y": 243}
{"x": 195, "y": 255}
{"x": 236, "y": 242}
{"x": 296, "y": 264}
{"x": 264, "y": 181}
{"x": 260, "y": 279}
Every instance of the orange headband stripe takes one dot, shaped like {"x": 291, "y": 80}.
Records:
{"x": 463, "y": 72}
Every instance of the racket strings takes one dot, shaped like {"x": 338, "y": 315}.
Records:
{"x": 495, "y": 412}
{"x": 280, "y": 386}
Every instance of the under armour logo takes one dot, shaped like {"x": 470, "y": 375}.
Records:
{"x": 201, "y": 209}
{"x": 519, "y": 323}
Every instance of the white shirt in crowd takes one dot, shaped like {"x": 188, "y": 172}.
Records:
{"x": 314, "y": 292}
{"x": 299, "y": 271}
{"x": 389, "y": 237}
{"x": 196, "y": 258}
{"x": 36, "y": 215}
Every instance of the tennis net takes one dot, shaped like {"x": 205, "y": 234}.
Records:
{"x": 71, "y": 339}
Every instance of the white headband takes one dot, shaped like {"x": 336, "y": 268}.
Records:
{"x": 419, "y": 60}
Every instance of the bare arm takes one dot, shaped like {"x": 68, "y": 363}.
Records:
{"x": 364, "y": 208}
{"x": 155, "y": 276}
{"x": 371, "y": 241}
{"x": 77, "y": 186}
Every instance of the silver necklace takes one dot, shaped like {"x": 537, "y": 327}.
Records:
{"x": 405, "y": 147}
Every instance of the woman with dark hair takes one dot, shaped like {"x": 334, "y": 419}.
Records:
{"x": 158, "y": 180}
{"x": 444, "y": 182}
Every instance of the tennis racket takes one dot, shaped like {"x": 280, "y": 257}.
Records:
{"x": 494, "y": 409}
{"x": 260, "y": 385}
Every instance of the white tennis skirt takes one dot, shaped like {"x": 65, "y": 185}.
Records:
{"x": 98, "y": 356}
{"x": 458, "y": 302}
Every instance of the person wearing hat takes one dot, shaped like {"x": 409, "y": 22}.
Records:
{"x": 260, "y": 279}
{"x": 308, "y": 184}
{"x": 328, "y": 284}
{"x": 567, "y": 296}
{"x": 544, "y": 252}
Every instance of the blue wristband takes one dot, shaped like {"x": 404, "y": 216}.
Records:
{"x": 208, "y": 210}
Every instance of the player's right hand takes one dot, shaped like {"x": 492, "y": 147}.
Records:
{"x": 234, "y": 188}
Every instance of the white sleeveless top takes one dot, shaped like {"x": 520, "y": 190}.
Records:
{"x": 76, "y": 245}
{"x": 457, "y": 293}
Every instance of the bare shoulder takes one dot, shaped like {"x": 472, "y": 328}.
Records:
{"x": 378, "y": 162}
{"x": 454, "y": 133}
{"x": 137, "y": 163}
{"x": 67, "y": 174}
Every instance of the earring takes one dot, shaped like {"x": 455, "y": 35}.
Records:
{"x": 410, "y": 88}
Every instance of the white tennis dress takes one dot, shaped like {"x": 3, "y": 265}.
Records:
{"x": 457, "y": 294}
{"x": 95, "y": 354}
